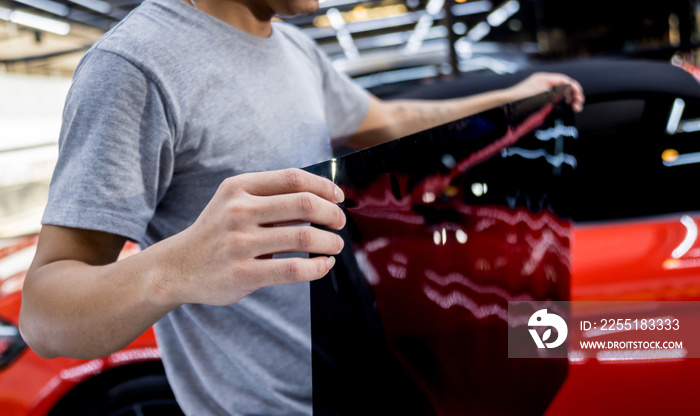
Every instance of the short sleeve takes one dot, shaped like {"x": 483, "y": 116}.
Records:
{"x": 116, "y": 150}
{"x": 346, "y": 101}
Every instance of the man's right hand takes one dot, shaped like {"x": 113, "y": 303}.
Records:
{"x": 78, "y": 301}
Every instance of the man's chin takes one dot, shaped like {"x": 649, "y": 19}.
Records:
{"x": 313, "y": 6}
{"x": 302, "y": 8}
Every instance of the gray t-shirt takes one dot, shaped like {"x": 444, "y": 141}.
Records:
{"x": 162, "y": 109}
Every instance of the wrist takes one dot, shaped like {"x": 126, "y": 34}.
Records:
{"x": 162, "y": 277}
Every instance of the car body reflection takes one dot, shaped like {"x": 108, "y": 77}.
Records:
{"x": 444, "y": 228}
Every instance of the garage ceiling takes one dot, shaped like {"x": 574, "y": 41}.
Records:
{"x": 28, "y": 50}
{"x": 24, "y": 49}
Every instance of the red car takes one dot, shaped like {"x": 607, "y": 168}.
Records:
{"x": 130, "y": 381}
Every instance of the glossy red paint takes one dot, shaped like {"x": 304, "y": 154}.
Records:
{"x": 634, "y": 261}
{"x": 31, "y": 385}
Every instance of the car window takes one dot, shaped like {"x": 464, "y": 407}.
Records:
{"x": 444, "y": 227}
{"x": 628, "y": 164}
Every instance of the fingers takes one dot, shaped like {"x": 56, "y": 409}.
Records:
{"x": 300, "y": 207}
{"x": 292, "y": 270}
{"x": 575, "y": 97}
{"x": 293, "y": 239}
{"x": 289, "y": 181}
{"x": 280, "y": 197}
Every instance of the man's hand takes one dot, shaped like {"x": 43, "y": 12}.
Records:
{"x": 227, "y": 253}
{"x": 540, "y": 82}
{"x": 78, "y": 301}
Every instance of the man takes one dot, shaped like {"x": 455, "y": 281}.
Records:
{"x": 168, "y": 115}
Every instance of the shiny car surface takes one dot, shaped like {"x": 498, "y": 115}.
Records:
{"x": 444, "y": 228}
{"x": 629, "y": 219}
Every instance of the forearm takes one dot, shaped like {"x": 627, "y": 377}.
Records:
{"x": 74, "y": 309}
{"x": 410, "y": 116}
{"x": 388, "y": 120}
{"x": 398, "y": 118}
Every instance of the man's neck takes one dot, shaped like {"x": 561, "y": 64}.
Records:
{"x": 252, "y": 16}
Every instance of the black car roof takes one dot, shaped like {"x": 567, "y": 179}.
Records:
{"x": 597, "y": 76}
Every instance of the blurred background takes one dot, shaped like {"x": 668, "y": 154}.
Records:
{"x": 387, "y": 46}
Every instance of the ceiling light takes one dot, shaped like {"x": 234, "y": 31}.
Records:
{"x": 500, "y": 15}
{"x": 473, "y": 7}
{"x": 47, "y": 6}
{"x": 5, "y": 13}
{"x": 675, "y": 117}
{"x": 96, "y": 5}
{"x": 37, "y": 22}
{"x": 479, "y": 31}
